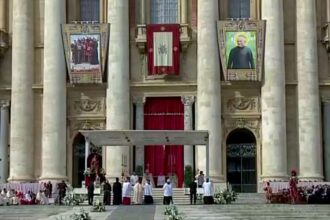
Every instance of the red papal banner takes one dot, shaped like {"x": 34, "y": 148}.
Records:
{"x": 163, "y": 44}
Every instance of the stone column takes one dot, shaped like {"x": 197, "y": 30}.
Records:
{"x": 118, "y": 94}
{"x": 184, "y": 10}
{"x": 87, "y": 147}
{"x": 310, "y": 148}
{"x": 53, "y": 166}
{"x": 142, "y": 11}
{"x": 274, "y": 155}
{"x": 326, "y": 139}
{"x": 3, "y": 14}
{"x": 139, "y": 122}
{"x": 4, "y": 138}
{"x": 208, "y": 87}
{"x": 22, "y": 123}
{"x": 188, "y": 101}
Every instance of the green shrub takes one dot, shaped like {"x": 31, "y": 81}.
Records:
{"x": 188, "y": 175}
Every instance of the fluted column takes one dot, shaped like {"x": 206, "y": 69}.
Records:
{"x": 274, "y": 162}
{"x": 208, "y": 87}
{"x": 139, "y": 124}
{"x": 310, "y": 150}
{"x": 188, "y": 101}
{"x": 118, "y": 97}
{"x": 4, "y": 138}
{"x": 53, "y": 165}
{"x": 22, "y": 123}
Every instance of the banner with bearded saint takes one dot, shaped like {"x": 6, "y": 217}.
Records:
{"x": 163, "y": 46}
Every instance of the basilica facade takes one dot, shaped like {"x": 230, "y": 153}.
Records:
{"x": 258, "y": 129}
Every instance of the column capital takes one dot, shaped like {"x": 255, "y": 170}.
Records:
{"x": 325, "y": 99}
{"x": 4, "y": 103}
{"x": 139, "y": 100}
{"x": 188, "y": 100}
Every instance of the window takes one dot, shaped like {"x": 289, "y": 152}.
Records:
{"x": 164, "y": 11}
{"x": 90, "y": 10}
{"x": 239, "y": 9}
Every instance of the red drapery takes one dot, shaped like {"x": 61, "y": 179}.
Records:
{"x": 175, "y": 30}
{"x": 164, "y": 114}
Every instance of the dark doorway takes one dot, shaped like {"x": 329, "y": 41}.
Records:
{"x": 241, "y": 160}
{"x": 78, "y": 160}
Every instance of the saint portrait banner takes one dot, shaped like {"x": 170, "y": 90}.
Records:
{"x": 85, "y": 47}
{"x": 163, "y": 43}
{"x": 241, "y": 48}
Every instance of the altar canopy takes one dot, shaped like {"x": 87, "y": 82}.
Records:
{"x": 148, "y": 137}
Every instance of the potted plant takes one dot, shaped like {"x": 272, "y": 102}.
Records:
{"x": 139, "y": 170}
{"x": 188, "y": 176}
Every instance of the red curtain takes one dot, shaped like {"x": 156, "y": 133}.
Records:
{"x": 175, "y": 30}
{"x": 164, "y": 114}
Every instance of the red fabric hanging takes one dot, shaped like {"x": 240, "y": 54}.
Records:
{"x": 153, "y": 68}
{"x": 164, "y": 113}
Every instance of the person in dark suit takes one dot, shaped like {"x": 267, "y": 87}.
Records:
{"x": 193, "y": 191}
{"x": 90, "y": 193}
{"x": 116, "y": 192}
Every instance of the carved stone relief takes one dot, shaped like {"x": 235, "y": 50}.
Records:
{"x": 251, "y": 124}
{"x": 87, "y": 107}
{"x": 87, "y": 124}
{"x": 242, "y": 105}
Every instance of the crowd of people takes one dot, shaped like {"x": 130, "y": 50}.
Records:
{"x": 314, "y": 194}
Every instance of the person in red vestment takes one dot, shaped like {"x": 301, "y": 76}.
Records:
{"x": 293, "y": 182}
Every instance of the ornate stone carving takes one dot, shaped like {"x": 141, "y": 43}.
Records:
{"x": 139, "y": 100}
{"x": 87, "y": 124}
{"x": 4, "y": 42}
{"x": 188, "y": 100}
{"x": 87, "y": 106}
{"x": 251, "y": 124}
{"x": 326, "y": 36}
{"x": 242, "y": 104}
{"x": 4, "y": 103}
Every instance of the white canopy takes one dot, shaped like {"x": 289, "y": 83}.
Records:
{"x": 148, "y": 137}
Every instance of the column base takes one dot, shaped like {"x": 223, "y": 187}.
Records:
{"x": 21, "y": 179}
{"x": 313, "y": 178}
{"x": 52, "y": 178}
{"x": 275, "y": 178}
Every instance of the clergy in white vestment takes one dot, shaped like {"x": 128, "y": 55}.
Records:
{"x": 148, "y": 193}
{"x": 208, "y": 194}
{"x": 134, "y": 178}
{"x": 138, "y": 193}
{"x": 38, "y": 197}
{"x": 43, "y": 199}
{"x": 168, "y": 192}
{"x": 127, "y": 191}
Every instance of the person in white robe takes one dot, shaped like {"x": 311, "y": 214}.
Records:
{"x": 43, "y": 199}
{"x": 138, "y": 193}
{"x": 134, "y": 178}
{"x": 208, "y": 194}
{"x": 148, "y": 193}
{"x": 127, "y": 191}
{"x": 168, "y": 192}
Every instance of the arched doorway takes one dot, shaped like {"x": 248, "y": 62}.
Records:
{"x": 78, "y": 160}
{"x": 241, "y": 160}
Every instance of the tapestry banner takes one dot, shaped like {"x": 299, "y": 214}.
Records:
{"x": 163, "y": 43}
{"x": 85, "y": 47}
{"x": 241, "y": 49}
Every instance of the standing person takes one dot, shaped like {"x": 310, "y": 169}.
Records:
{"x": 208, "y": 195}
{"x": 148, "y": 193}
{"x": 61, "y": 190}
{"x": 138, "y": 192}
{"x": 269, "y": 192}
{"x": 49, "y": 187}
{"x": 90, "y": 192}
{"x": 200, "y": 179}
{"x": 116, "y": 192}
{"x": 107, "y": 193}
{"x": 293, "y": 182}
{"x": 127, "y": 191}
{"x": 168, "y": 192}
{"x": 193, "y": 191}
{"x": 134, "y": 179}
{"x": 241, "y": 56}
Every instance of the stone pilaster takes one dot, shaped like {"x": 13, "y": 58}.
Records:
{"x": 142, "y": 11}
{"x": 184, "y": 14}
{"x": 274, "y": 162}
{"x": 53, "y": 165}
{"x": 310, "y": 149}
{"x": 22, "y": 123}
{"x": 208, "y": 87}
{"x": 4, "y": 139}
{"x": 118, "y": 94}
{"x": 188, "y": 102}
{"x": 139, "y": 123}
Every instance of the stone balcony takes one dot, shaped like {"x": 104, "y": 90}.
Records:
{"x": 4, "y": 42}
{"x": 141, "y": 37}
{"x": 326, "y": 36}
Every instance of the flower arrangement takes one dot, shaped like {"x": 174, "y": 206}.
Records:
{"x": 87, "y": 172}
{"x": 71, "y": 200}
{"x": 98, "y": 207}
{"x": 225, "y": 197}
{"x": 172, "y": 213}
{"x": 81, "y": 215}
